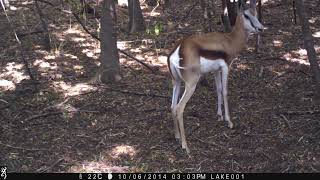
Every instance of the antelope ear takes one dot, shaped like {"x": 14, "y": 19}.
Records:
{"x": 253, "y": 4}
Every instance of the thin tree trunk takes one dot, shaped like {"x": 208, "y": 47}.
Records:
{"x": 109, "y": 53}
{"x": 208, "y": 12}
{"x": 46, "y": 39}
{"x": 87, "y": 9}
{"x": 258, "y": 36}
{"x": 260, "y": 10}
{"x": 203, "y": 5}
{"x": 225, "y": 17}
{"x": 211, "y": 15}
{"x": 294, "y": 9}
{"x": 308, "y": 42}
{"x": 136, "y": 21}
{"x": 232, "y": 11}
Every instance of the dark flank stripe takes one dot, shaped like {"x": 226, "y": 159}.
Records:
{"x": 181, "y": 62}
{"x": 213, "y": 55}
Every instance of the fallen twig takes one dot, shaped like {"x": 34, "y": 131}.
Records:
{"x": 58, "y": 113}
{"x": 286, "y": 120}
{"x": 42, "y": 115}
{"x": 139, "y": 61}
{"x": 29, "y": 33}
{"x": 56, "y": 105}
{"x": 84, "y": 27}
{"x": 4, "y": 101}
{"x": 155, "y": 109}
{"x": 300, "y": 112}
{"x": 50, "y": 167}
{"x": 22, "y": 148}
{"x": 210, "y": 143}
{"x": 137, "y": 93}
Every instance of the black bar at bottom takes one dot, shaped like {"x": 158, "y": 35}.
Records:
{"x": 161, "y": 176}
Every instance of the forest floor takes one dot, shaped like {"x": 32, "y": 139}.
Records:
{"x": 62, "y": 123}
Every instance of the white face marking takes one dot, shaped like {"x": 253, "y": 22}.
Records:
{"x": 251, "y": 23}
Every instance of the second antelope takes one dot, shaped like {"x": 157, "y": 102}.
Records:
{"x": 211, "y": 52}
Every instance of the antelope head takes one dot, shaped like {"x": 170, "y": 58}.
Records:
{"x": 250, "y": 18}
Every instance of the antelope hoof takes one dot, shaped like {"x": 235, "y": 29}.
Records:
{"x": 187, "y": 149}
{"x": 230, "y": 124}
{"x": 220, "y": 118}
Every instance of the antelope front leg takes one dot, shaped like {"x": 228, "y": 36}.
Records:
{"x": 225, "y": 71}
{"x": 219, "y": 94}
{"x": 189, "y": 90}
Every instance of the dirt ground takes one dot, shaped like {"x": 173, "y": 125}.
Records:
{"x": 62, "y": 123}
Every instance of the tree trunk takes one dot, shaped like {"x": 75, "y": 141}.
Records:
{"x": 232, "y": 11}
{"x": 86, "y": 8}
{"x": 225, "y": 17}
{"x": 136, "y": 21}
{"x": 109, "y": 71}
{"x": 308, "y": 42}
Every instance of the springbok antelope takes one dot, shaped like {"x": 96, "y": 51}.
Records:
{"x": 212, "y": 52}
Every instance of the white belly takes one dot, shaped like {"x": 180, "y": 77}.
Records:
{"x": 211, "y": 65}
{"x": 206, "y": 65}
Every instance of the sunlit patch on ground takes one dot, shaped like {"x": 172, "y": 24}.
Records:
{"x": 97, "y": 167}
{"x": 45, "y": 65}
{"x": 6, "y": 85}
{"x": 242, "y": 66}
{"x": 316, "y": 34}
{"x": 90, "y": 54}
{"x": 74, "y": 31}
{"x": 277, "y": 43}
{"x": 298, "y": 56}
{"x": 118, "y": 151}
{"x": 122, "y": 44}
{"x": 78, "y": 39}
{"x": 12, "y": 74}
{"x": 72, "y": 90}
{"x": 161, "y": 60}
